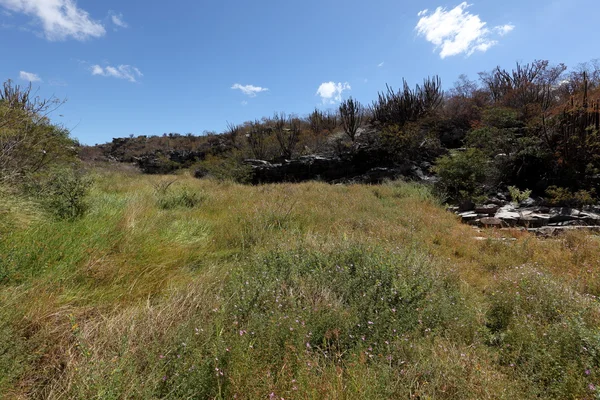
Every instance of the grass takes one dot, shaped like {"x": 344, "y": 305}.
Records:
{"x": 310, "y": 291}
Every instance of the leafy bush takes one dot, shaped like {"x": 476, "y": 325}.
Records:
{"x": 462, "y": 174}
{"x": 563, "y": 197}
{"x": 63, "y": 193}
{"x": 517, "y": 195}
{"x": 231, "y": 168}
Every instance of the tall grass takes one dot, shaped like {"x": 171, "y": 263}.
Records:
{"x": 288, "y": 291}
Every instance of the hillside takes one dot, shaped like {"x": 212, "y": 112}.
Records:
{"x": 201, "y": 289}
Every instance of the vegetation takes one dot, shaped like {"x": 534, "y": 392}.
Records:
{"x": 116, "y": 284}
{"x": 296, "y": 290}
{"x": 535, "y": 126}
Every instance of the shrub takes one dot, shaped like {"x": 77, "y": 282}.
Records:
{"x": 563, "y": 197}
{"x": 462, "y": 174}
{"x": 63, "y": 193}
{"x": 230, "y": 168}
{"x": 29, "y": 142}
{"x": 517, "y": 195}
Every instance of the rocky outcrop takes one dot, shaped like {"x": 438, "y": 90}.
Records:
{"x": 166, "y": 162}
{"x": 331, "y": 169}
{"x": 530, "y": 216}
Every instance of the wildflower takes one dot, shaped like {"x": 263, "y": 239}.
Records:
{"x": 587, "y": 371}
{"x": 592, "y": 387}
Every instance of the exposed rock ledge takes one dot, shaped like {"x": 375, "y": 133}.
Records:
{"x": 333, "y": 170}
{"x": 537, "y": 219}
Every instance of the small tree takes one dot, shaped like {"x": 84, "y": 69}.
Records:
{"x": 287, "y": 132}
{"x": 316, "y": 121}
{"x": 257, "y": 139}
{"x": 351, "y": 115}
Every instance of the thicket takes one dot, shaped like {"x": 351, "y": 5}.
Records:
{"x": 38, "y": 159}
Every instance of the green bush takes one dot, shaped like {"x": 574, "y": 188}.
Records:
{"x": 517, "y": 195}
{"x": 63, "y": 193}
{"x": 563, "y": 197}
{"x": 231, "y": 168}
{"x": 462, "y": 174}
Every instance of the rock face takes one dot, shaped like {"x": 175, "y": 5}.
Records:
{"x": 331, "y": 169}
{"x": 530, "y": 216}
{"x": 166, "y": 162}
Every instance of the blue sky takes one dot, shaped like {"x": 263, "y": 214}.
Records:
{"x": 150, "y": 67}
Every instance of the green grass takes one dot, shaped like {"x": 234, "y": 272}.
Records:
{"x": 312, "y": 291}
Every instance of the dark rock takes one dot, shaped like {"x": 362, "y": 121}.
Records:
{"x": 357, "y": 168}
{"x": 466, "y": 205}
{"x": 489, "y": 209}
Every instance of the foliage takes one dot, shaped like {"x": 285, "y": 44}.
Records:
{"x": 29, "y": 142}
{"x": 231, "y": 168}
{"x": 564, "y": 197}
{"x": 517, "y": 195}
{"x": 462, "y": 174}
{"x": 64, "y": 193}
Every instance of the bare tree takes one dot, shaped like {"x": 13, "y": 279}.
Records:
{"x": 287, "y": 132}
{"x": 257, "y": 139}
{"x": 351, "y": 115}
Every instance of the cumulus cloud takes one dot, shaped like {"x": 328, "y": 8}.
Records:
{"x": 249, "y": 90}
{"x": 331, "y": 92}
{"x": 457, "y": 31}
{"x": 117, "y": 19}
{"x": 121, "y": 72}
{"x": 29, "y": 76}
{"x": 60, "y": 19}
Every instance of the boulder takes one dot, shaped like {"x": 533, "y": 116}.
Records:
{"x": 490, "y": 222}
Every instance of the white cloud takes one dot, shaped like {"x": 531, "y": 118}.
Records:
{"x": 60, "y": 19}
{"x": 331, "y": 92}
{"x": 380, "y": 64}
{"x": 249, "y": 90}
{"x": 504, "y": 29}
{"x": 457, "y": 31}
{"x": 29, "y": 76}
{"x": 121, "y": 72}
{"x": 118, "y": 20}
{"x": 244, "y": 103}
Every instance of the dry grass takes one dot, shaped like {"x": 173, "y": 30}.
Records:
{"x": 135, "y": 301}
